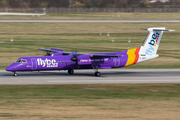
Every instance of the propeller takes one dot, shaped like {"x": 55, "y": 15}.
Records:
{"x": 74, "y": 58}
{"x": 48, "y": 54}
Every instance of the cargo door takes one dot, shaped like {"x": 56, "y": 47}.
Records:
{"x": 117, "y": 62}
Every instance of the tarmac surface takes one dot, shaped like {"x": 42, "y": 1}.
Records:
{"x": 111, "y": 76}
{"x": 83, "y": 20}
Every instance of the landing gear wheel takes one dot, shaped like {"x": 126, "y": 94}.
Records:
{"x": 98, "y": 74}
{"x": 15, "y": 74}
{"x": 71, "y": 72}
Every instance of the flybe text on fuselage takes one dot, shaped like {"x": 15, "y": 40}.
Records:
{"x": 47, "y": 62}
{"x": 152, "y": 44}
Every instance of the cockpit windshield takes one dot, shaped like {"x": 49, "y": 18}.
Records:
{"x": 18, "y": 61}
{"x": 21, "y": 61}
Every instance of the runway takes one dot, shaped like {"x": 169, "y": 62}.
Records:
{"x": 82, "y": 20}
{"x": 112, "y": 76}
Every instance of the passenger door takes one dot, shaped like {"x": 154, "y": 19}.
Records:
{"x": 34, "y": 64}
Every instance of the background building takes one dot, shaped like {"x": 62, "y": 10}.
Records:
{"x": 153, "y": 1}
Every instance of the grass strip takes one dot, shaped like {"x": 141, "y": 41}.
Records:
{"x": 101, "y": 91}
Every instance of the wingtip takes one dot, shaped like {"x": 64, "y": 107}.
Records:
{"x": 41, "y": 48}
{"x": 144, "y": 28}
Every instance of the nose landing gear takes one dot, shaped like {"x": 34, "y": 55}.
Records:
{"x": 14, "y": 74}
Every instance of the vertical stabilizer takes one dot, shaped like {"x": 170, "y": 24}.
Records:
{"x": 149, "y": 48}
{"x": 152, "y": 41}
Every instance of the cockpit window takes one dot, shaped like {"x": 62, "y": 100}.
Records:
{"x": 18, "y": 61}
{"x": 24, "y": 61}
{"x": 21, "y": 61}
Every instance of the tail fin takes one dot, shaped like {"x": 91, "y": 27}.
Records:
{"x": 152, "y": 41}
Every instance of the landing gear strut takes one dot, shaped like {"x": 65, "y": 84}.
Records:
{"x": 14, "y": 74}
{"x": 97, "y": 74}
{"x": 71, "y": 71}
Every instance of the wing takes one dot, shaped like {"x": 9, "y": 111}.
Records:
{"x": 48, "y": 50}
{"x": 59, "y": 51}
{"x": 91, "y": 55}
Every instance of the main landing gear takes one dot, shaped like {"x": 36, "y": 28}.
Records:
{"x": 71, "y": 72}
{"x": 97, "y": 74}
{"x": 14, "y": 74}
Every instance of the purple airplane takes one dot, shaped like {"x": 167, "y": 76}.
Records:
{"x": 59, "y": 60}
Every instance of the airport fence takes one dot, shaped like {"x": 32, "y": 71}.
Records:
{"x": 60, "y": 10}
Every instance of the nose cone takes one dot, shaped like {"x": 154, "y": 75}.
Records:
{"x": 11, "y": 68}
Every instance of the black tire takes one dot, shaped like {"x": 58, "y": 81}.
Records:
{"x": 15, "y": 74}
{"x": 97, "y": 74}
{"x": 71, "y": 72}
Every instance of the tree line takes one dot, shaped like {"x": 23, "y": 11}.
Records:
{"x": 88, "y": 3}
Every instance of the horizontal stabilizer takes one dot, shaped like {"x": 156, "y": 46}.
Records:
{"x": 155, "y": 29}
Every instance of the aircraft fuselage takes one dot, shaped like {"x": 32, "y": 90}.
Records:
{"x": 41, "y": 63}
